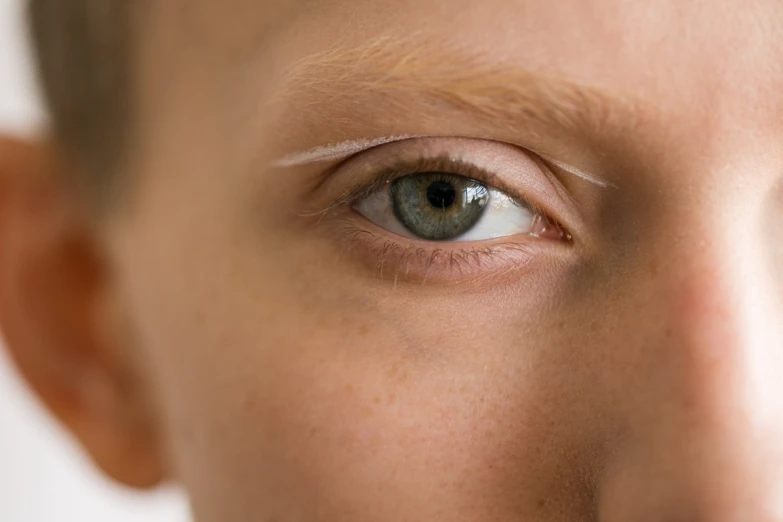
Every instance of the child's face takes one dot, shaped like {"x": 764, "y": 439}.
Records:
{"x": 321, "y": 350}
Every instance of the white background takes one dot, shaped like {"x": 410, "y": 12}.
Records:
{"x": 44, "y": 477}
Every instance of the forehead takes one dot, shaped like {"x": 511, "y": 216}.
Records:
{"x": 661, "y": 47}
{"x": 702, "y": 66}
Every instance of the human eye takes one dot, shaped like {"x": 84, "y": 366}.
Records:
{"x": 438, "y": 204}
{"x": 449, "y": 209}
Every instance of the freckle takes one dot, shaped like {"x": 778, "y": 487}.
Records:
{"x": 377, "y": 400}
{"x": 492, "y": 409}
{"x": 363, "y": 330}
{"x": 349, "y": 391}
{"x": 322, "y": 322}
{"x": 396, "y": 373}
{"x": 653, "y": 267}
{"x": 248, "y": 401}
{"x": 394, "y": 370}
{"x": 595, "y": 326}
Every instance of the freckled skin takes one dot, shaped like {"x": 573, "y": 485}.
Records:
{"x": 632, "y": 376}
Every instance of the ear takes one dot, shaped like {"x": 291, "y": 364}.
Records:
{"x": 62, "y": 321}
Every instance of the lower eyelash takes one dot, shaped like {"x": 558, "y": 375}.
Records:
{"x": 394, "y": 260}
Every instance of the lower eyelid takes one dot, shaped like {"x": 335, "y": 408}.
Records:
{"x": 400, "y": 260}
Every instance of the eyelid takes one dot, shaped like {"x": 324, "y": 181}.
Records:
{"x": 346, "y": 149}
{"x": 506, "y": 167}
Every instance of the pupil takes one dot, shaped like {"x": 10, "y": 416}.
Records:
{"x": 441, "y": 194}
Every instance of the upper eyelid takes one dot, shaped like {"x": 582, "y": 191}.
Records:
{"x": 341, "y": 151}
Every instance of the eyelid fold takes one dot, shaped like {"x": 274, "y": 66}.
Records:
{"x": 345, "y": 149}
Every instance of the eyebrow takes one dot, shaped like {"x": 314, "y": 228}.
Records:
{"x": 470, "y": 81}
{"x": 403, "y": 73}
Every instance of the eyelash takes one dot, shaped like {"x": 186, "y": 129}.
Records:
{"x": 425, "y": 261}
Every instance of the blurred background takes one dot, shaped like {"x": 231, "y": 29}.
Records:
{"x": 44, "y": 477}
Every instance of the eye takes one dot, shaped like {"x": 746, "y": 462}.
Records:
{"x": 442, "y": 206}
{"x": 445, "y": 210}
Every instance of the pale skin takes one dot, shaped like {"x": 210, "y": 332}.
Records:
{"x": 236, "y": 326}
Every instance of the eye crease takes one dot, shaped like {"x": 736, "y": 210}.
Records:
{"x": 344, "y": 149}
{"x": 335, "y": 151}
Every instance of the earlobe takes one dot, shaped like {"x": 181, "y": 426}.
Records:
{"x": 54, "y": 293}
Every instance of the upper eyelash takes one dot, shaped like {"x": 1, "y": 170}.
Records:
{"x": 441, "y": 163}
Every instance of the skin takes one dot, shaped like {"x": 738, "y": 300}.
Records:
{"x": 214, "y": 328}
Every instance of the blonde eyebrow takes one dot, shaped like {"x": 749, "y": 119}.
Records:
{"x": 501, "y": 92}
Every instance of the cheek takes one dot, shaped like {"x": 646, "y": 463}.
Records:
{"x": 277, "y": 401}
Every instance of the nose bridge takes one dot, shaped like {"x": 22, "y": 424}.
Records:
{"x": 722, "y": 309}
{"x": 722, "y": 297}
{"x": 713, "y": 294}
{"x": 705, "y": 413}
{"x": 721, "y": 343}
